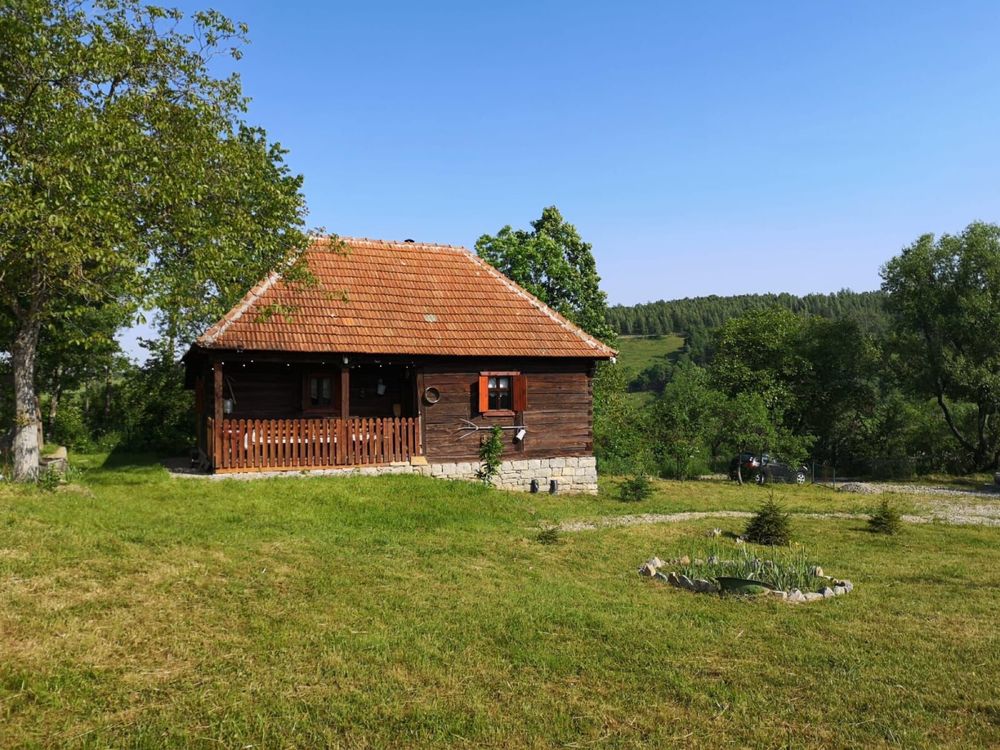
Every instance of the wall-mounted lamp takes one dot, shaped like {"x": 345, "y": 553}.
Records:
{"x": 553, "y": 486}
{"x": 519, "y": 435}
{"x": 534, "y": 485}
{"x": 380, "y": 388}
{"x": 227, "y": 405}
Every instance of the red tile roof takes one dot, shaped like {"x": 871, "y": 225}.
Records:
{"x": 380, "y": 297}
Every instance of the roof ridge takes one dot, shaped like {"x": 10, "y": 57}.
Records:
{"x": 397, "y": 243}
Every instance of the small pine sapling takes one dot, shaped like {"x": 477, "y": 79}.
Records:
{"x": 885, "y": 519}
{"x": 636, "y": 489}
{"x": 770, "y": 525}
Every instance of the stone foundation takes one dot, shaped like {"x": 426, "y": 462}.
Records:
{"x": 572, "y": 473}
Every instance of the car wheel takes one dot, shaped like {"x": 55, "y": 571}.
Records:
{"x": 760, "y": 478}
{"x": 800, "y": 477}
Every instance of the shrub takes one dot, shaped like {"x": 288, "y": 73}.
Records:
{"x": 549, "y": 535}
{"x": 490, "y": 451}
{"x": 770, "y": 525}
{"x": 885, "y": 519}
{"x": 636, "y": 489}
{"x": 49, "y": 480}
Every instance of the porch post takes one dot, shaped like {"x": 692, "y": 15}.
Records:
{"x": 345, "y": 392}
{"x": 345, "y": 410}
{"x": 217, "y": 415}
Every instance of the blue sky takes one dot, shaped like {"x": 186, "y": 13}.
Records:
{"x": 702, "y": 147}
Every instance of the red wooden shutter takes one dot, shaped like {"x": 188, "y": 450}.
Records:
{"x": 520, "y": 385}
{"x": 484, "y": 394}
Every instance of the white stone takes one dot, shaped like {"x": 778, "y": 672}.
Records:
{"x": 557, "y": 463}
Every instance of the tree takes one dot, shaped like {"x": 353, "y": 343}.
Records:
{"x": 123, "y": 163}
{"x": 622, "y": 441}
{"x": 556, "y": 265}
{"x": 685, "y": 416}
{"x": 759, "y": 352}
{"x": 944, "y": 300}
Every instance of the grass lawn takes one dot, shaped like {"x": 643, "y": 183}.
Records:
{"x": 141, "y": 610}
{"x": 639, "y": 352}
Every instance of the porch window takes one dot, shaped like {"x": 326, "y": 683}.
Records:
{"x": 502, "y": 393}
{"x": 320, "y": 392}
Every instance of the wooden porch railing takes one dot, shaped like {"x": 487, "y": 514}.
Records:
{"x": 288, "y": 444}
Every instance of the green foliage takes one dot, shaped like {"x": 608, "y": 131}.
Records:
{"x": 49, "y": 480}
{"x": 635, "y": 489}
{"x": 943, "y": 296}
{"x": 685, "y": 418}
{"x": 770, "y": 525}
{"x": 885, "y": 519}
{"x": 556, "y": 265}
{"x": 621, "y": 425}
{"x": 785, "y": 569}
{"x": 695, "y": 317}
{"x": 549, "y": 535}
{"x": 490, "y": 455}
{"x": 128, "y": 177}
{"x": 70, "y": 429}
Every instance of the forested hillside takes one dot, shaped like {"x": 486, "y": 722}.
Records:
{"x": 693, "y": 314}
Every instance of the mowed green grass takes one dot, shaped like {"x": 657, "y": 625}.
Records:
{"x": 139, "y": 610}
{"x": 639, "y": 352}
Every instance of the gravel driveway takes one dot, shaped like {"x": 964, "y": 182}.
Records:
{"x": 943, "y": 511}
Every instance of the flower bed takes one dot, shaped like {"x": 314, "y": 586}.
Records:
{"x": 786, "y": 574}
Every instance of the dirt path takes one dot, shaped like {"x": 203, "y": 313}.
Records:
{"x": 875, "y": 488}
{"x": 943, "y": 512}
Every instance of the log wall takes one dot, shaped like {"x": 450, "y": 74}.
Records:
{"x": 558, "y": 416}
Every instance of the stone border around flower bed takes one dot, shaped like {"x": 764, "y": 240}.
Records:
{"x": 651, "y": 569}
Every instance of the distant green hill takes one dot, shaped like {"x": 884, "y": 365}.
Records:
{"x": 639, "y": 352}
{"x": 653, "y": 335}
{"x": 698, "y": 315}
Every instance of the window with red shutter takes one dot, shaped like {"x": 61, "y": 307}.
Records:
{"x": 500, "y": 393}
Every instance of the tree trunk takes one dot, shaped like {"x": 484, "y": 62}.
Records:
{"x": 107, "y": 398}
{"x": 54, "y": 402}
{"x": 24, "y": 353}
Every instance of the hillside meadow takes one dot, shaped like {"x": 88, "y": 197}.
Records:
{"x": 639, "y": 352}
{"x": 143, "y": 610}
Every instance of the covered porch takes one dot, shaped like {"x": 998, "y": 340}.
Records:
{"x": 275, "y": 415}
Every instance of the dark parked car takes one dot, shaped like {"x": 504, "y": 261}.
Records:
{"x": 748, "y": 465}
{"x": 764, "y": 468}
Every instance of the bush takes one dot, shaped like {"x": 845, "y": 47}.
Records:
{"x": 490, "y": 453}
{"x": 885, "y": 519}
{"x": 770, "y": 525}
{"x": 636, "y": 489}
{"x": 548, "y": 535}
{"x": 70, "y": 428}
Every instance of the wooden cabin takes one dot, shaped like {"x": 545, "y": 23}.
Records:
{"x": 398, "y": 357}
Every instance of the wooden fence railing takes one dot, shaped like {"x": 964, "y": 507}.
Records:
{"x": 287, "y": 444}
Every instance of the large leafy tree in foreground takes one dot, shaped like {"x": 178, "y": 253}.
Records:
{"x": 556, "y": 265}
{"x": 944, "y": 299}
{"x": 128, "y": 176}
